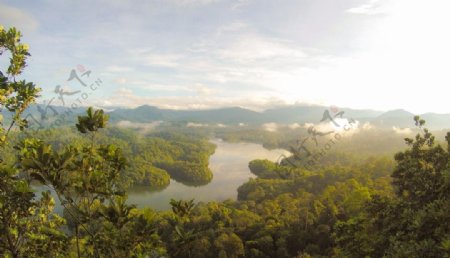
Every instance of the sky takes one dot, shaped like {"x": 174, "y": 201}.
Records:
{"x": 257, "y": 54}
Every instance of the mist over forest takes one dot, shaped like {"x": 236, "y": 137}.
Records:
{"x": 212, "y": 128}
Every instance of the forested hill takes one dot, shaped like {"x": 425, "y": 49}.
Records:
{"x": 319, "y": 202}
{"x": 235, "y": 115}
{"x": 284, "y": 115}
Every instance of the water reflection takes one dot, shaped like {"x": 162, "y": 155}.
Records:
{"x": 229, "y": 165}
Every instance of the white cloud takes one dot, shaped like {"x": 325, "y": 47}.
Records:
{"x": 270, "y": 127}
{"x": 152, "y": 57}
{"x": 257, "y": 57}
{"x": 163, "y": 60}
{"x": 327, "y": 129}
{"x": 237, "y": 54}
{"x": 402, "y": 130}
{"x": 201, "y": 89}
{"x": 367, "y": 126}
{"x": 371, "y": 7}
{"x": 187, "y": 3}
{"x": 147, "y": 86}
{"x": 120, "y": 80}
{"x": 191, "y": 124}
{"x": 125, "y": 92}
{"x": 398, "y": 54}
{"x": 240, "y": 4}
{"x": 294, "y": 126}
{"x": 250, "y": 49}
{"x": 127, "y": 98}
{"x": 232, "y": 27}
{"x": 160, "y": 87}
{"x": 15, "y": 17}
{"x": 118, "y": 68}
{"x": 142, "y": 127}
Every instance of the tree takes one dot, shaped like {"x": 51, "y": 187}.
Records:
{"x": 27, "y": 224}
{"x": 87, "y": 181}
{"x": 422, "y": 172}
{"x": 229, "y": 245}
{"x": 416, "y": 222}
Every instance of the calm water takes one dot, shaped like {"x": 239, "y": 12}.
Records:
{"x": 229, "y": 165}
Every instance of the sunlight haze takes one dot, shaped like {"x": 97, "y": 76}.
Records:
{"x": 197, "y": 54}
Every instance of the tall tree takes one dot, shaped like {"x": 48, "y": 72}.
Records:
{"x": 87, "y": 180}
{"x": 27, "y": 225}
{"x": 416, "y": 222}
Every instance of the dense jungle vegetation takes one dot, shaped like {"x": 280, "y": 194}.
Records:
{"x": 365, "y": 207}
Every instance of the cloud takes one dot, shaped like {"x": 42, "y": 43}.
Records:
{"x": 369, "y": 8}
{"x": 240, "y": 57}
{"x": 191, "y": 124}
{"x": 237, "y": 49}
{"x": 240, "y": 4}
{"x": 367, "y": 126}
{"x": 187, "y": 3}
{"x": 127, "y": 98}
{"x": 142, "y": 127}
{"x": 232, "y": 27}
{"x": 270, "y": 127}
{"x": 201, "y": 89}
{"x": 327, "y": 129}
{"x": 118, "y": 68}
{"x": 151, "y": 57}
{"x": 402, "y": 130}
{"x": 319, "y": 129}
{"x": 248, "y": 53}
{"x": 15, "y": 17}
{"x": 163, "y": 60}
{"x": 294, "y": 126}
{"x": 152, "y": 87}
{"x": 255, "y": 48}
{"x": 148, "y": 86}
{"x": 120, "y": 80}
{"x": 125, "y": 92}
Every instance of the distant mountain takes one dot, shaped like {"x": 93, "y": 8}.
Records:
{"x": 436, "y": 121}
{"x": 285, "y": 115}
{"x": 398, "y": 118}
{"x": 313, "y": 114}
{"x": 234, "y": 115}
{"x": 395, "y": 114}
{"x": 294, "y": 114}
{"x": 224, "y": 115}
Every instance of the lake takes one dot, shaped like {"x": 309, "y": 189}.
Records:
{"x": 229, "y": 165}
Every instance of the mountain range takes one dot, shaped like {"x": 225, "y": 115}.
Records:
{"x": 299, "y": 114}
{"x": 284, "y": 115}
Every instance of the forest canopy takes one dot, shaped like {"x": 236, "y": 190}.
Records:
{"x": 369, "y": 206}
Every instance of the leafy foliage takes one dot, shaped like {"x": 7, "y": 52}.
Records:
{"x": 27, "y": 225}
{"x": 343, "y": 206}
{"x": 416, "y": 222}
